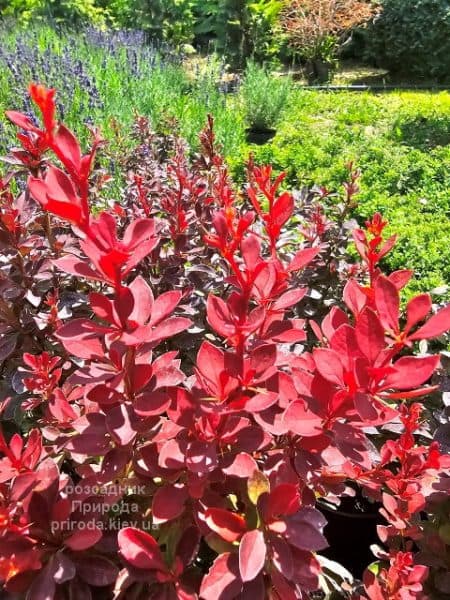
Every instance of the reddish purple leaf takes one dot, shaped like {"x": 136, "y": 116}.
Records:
{"x": 82, "y": 539}
{"x": 252, "y": 554}
{"x": 169, "y": 502}
{"x": 302, "y": 258}
{"x": 96, "y": 570}
{"x": 223, "y": 581}
{"x": 140, "y": 549}
{"x": 302, "y": 421}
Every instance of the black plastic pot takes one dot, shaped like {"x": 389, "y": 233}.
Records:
{"x": 318, "y": 71}
{"x": 351, "y": 529}
{"x": 259, "y": 136}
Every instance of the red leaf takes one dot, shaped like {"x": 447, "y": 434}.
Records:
{"x": 417, "y": 309}
{"x": 263, "y": 357}
{"x": 139, "y": 254}
{"x": 435, "y": 326}
{"x": 372, "y": 586}
{"x": 302, "y": 258}
{"x": 168, "y": 328}
{"x": 169, "y": 502}
{"x": 140, "y": 375}
{"x": 334, "y": 319}
{"x": 228, "y": 525}
{"x": 302, "y": 421}
{"x": 171, "y": 456}
{"x": 289, "y": 298}
{"x": 82, "y": 338}
{"x": 215, "y": 372}
{"x": 288, "y": 331}
{"x": 354, "y": 297}
{"x": 60, "y": 409}
{"x": 252, "y": 554}
{"x": 369, "y": 334}
{"x": 140, "y": 549}
{"x": 201, "y": 457}
{"x": 222, "y": 582}
{"x": 57, "y": 194}
{"x": 243, "y": 466}
{"x": 219, "y": 316}
{"x": 88, "y": 443}
{"x": 400, "y": 278}
{"x": 20, "y": 120}
{"x": 119, "y": 423}
{"x": 329, "y": 365}
{"x": 283, "y": 500}
{"x": 164, "y": 306}
{"x": 261, "y": 401}
{"x": 282, "y": 209}
{"x": 143, "y": 301}
{"x": 167, "y": 375}
{"x": 82, "y": 539}
{"x": 64, "y": 210}
{"x": 251, "y": 250}
{"x": 68, "y": 148}
{"x": 104, "y": 395}
{"x": 75, "y": 266}
{"x": 387, "y": 301}
{"x": 102, "y": 306}
{"x": 411, "y": 371}
{"x": 365, "y": 407}
{"x": 139, "y": 231}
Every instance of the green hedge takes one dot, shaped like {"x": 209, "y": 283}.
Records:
{"x": 412, "y": 37}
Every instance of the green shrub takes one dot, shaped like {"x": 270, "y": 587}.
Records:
{"x": 240, "y": 28}
{"x": 167, "y": 20}
{"x": 264, "y": 97}
{"x": 72, "y": 12}
{"x": 412, "y": 37}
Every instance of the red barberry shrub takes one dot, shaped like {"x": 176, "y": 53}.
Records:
{"x": 139, "y": 465}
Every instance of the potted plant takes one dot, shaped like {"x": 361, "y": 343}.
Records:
{"x": 264, "y": 97}
{"x": 316, "y": 29}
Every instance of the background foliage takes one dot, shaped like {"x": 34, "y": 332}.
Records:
{"x": 412, "y": 38}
